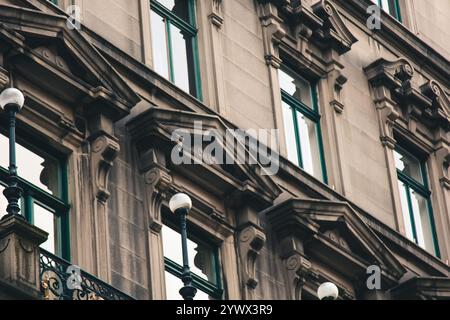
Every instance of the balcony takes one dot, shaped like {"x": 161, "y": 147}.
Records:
{"x": 62, "y": 281}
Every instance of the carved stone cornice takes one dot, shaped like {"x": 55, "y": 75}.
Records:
{"x": 104, "y": 150}
{"x": 397, "y": 96}
{"x": 250, "y": 240}
{"x": 324, "y": 229}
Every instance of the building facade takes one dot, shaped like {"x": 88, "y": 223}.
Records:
{"x": 351, "y": 97}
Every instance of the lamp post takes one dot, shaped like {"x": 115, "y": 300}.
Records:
{"x": 328, "y": 291}
{"x": 12, "y": 100}
{"x": 180, "y": 204}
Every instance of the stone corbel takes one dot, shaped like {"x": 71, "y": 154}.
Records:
{"x": 443, "y": 160}
{"x": 299, "y": 270}
{"x": 251, "y": 241}
{"x": 158, "y": 182}
{"x": 336, "y": 83}
{"x": 216, "y": 15}
{"x": 273, "y": 33}
{"x": 440, "y": 109}
{"x": 387, "y": 79}
{"x": 104, "y": 150}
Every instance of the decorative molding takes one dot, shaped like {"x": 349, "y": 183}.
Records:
{"x": 104, "y": 149}
{"x": 251, "y": 241}
{"x": 273, "y": 33}
{"x": 388, "y": 78}
{"x": 158, "y": 184}
{"x": 334, "y": 33}
{"x": 299, "y": 272}
{"x": 216, "y": 16}
{"x": 336, "y": 83}
{"x": 303, "y": 227}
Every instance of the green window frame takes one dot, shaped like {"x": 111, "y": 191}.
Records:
{"x": 212, "y": 288}
{"x": 188, "y": 27}
{"x": 409, "y": 186}
{"x": 33, "y": 195}
{"x": 390, "y": 6}
{"x": 311, "y": 113}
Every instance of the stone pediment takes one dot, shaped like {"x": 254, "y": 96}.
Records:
{"x": 334, "y": 30}
{"x": 37, "y": 43}
{"x": 171, "y": 128}
{"x": 332, "y": 233}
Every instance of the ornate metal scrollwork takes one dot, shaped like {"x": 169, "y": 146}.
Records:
{"x": 55, "y": 280}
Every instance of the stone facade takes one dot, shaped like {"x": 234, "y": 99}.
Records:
{"x": 94, "y": 95}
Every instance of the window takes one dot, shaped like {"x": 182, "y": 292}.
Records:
{"x": 44, "y": 199}
{"x": 302, "y": 123}
{"x": 415, "y": 200}
{"x": 390, "y": 6}
{"x": 203, "y": 261}
{"x": 174, "y": 43}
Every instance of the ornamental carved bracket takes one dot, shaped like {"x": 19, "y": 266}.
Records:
{"x": 158, "y": 182}
{"x": 443, "y": 160}
{"x": 251, "y": 241}
{"x": 440, "y": 108}
{"x": 104, "y": 150}
{"x": 387, "y": 78}
{"x": 273, "y": 33}
{"x": 299, "y": 272}
{"x": 216, "y": 15}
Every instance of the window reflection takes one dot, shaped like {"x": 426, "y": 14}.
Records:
{"x": 290, "y": 134}
{"x": 159, "y": 45}
{"x": 46, "y": 220}
{"x": 39, "y": 170}
{"x": 173, "y": 286}
{"x": 201, "y": 257}
{"x": 297, "y": 87}
{"x": 408, "y": 164}
{"x": 178, "y": 7}
{"x": 41, "y": 179}
{"x": 174, "y": 43}
{"x": 309, "y": 146}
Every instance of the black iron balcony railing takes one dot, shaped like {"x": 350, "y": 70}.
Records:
{"x": 62, "y": 281}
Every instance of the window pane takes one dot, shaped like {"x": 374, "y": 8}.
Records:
{"x": 173, "y": 286}
{"x": 289, "y": 132}
{"x": 178, "y": 7}
{"x": 159, "y": 45}
{"x": 405, "y": 211}
{"x": 422, "y": 222}
{"x": 309, "y": 145}
{"x": 297, "y": 87}
{"x": 46, "y": 221}
{"x": 201, "y": 257}
{"x": 183, "y": 64}
{"x": 40, "y": 170}
{"x": 409, "y": 165}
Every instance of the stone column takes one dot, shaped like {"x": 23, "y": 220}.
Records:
{"x": 19, "y": 259}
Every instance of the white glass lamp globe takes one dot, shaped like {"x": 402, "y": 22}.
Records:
{"x": 180, "y": 201}
{"x": 12, "y": 96}
{"x": 328, "y": 290}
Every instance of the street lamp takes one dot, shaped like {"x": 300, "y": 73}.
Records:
{"x": 328, "y": 291}
{"x": 180, "y": 204}
{"x": 12, "y": 100}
